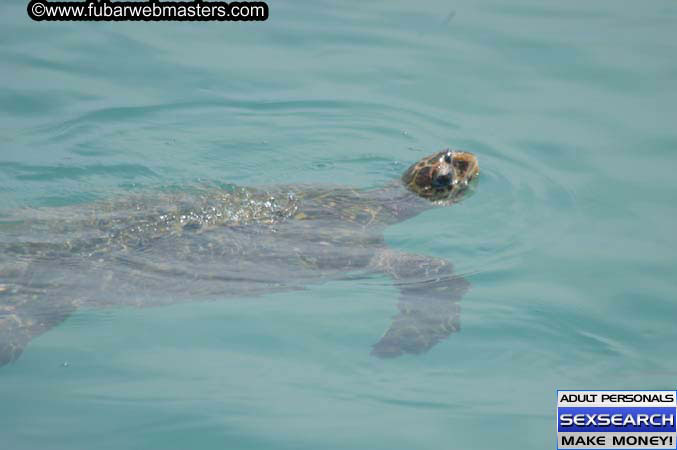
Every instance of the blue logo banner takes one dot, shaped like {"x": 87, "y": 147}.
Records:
{"x": 616, "y": 419}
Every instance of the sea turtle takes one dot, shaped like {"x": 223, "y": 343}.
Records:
{"x": 213, "y": 242}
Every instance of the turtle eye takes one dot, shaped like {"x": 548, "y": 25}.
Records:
{"x": 447, "y": 158}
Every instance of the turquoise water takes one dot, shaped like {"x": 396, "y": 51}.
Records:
{"x": 568, "y": 242}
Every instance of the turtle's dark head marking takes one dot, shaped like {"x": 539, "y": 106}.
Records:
{"x": 443, "y": 176}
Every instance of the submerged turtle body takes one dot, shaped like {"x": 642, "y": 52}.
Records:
{"x": 150, "y": 250}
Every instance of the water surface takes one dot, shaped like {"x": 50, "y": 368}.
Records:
{"x": 568, "y": 241}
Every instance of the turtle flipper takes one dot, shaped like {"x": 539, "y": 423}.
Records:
{"x": 14, "y": 336}
{"x": 428, "y": 303}
{"x": 25, "y": 315}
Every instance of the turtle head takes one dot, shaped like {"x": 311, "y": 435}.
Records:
{"x": 443, "y": 177}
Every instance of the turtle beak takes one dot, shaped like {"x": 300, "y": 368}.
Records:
{"x": 466, "y": 168}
